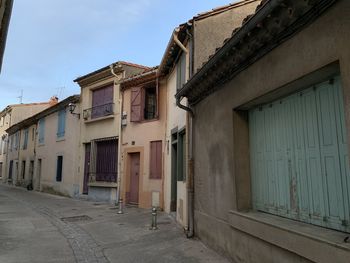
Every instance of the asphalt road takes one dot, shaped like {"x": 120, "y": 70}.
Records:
{"x": 37, "y": 227}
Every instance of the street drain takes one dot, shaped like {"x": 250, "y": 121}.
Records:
{"x": 73, "y": 219}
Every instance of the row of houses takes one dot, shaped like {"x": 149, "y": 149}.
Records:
{"x": 241, "y": 132}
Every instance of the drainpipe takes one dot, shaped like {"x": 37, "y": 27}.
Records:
{"x": 178, "y": 42}
{"x": 120, "y": 138}
{"x": 190, "y": 177}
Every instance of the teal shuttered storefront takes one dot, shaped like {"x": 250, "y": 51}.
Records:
{"x": 299, "y": 157}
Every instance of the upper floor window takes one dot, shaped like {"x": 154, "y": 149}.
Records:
{"x": 25, "y": 140}
{"x": 16, "y": 141}
{"x": 181, "y": 72}
{"x": 144, "y": 103}
{"x": 61, "y": 123}
{"x": 102, "y": 102}
{"x": 41, "y": 131}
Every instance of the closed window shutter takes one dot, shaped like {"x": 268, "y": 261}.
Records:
{"x": 41, "y": 130}
{"x": 102, "y": 100}
{"x": 156, "y": 160}
{"x": 136, "y": 104}
{"x": 61, "y": 127}
{"x": 25, "y": 143}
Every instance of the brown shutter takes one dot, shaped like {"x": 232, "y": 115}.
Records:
{"x": 156, "y": 160}
{"x": 136, "y": 104}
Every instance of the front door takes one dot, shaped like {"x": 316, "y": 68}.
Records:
{"x": 11, "y": 170}
{"x": 134, "y": 178}
{"x": 86, "y": 168}
{"x": 31, "y": 171}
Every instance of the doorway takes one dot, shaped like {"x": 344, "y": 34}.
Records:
{"x": 134, "y": 178}
{"x": 174, "y": 164}
{"x": 38, "y": 172}
{"x": 86, "y": 168}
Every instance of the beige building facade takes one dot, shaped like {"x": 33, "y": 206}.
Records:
{"x": 57, "y": 149}
{"x": 10, "y": 116}
{"x": 271, "y": 131}
{"x": 43, "y": 150}
{"x": 100, "y": 128}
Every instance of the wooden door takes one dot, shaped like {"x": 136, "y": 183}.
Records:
{"x": 134, "y": 178}
{"x": 86, "y": 168}
{"x": 10, "y": 169}
{"x": 31, "y": 171}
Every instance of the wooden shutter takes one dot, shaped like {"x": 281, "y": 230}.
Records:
{"x": 136, "y": 104}
{"x": 61, "y": 126}
{"x": 41, "y": 130}
{"x": 299, "y": 157}
{"x": 156, "y": 160}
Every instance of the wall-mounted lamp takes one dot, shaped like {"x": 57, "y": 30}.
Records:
{"x": 71, "y": 108}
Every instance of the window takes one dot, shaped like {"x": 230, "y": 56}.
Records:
{"x": 144, "y": 102}
{"x": 1, "y": 145}
{"x": 61, "y": 124}
{"x": 181, "y": 72}
{"x": 15, "y": 141}
{"x": 42, "y": 131}
{"x": 23, "y": 169}
{"x": 1, "y": 170}
{"x": 59, "y": 168}
{"x": 106, "y": 160}
{"x": 102, "y": 102}
{"x": 156, "y": 160}
{"x": 33, "y": 134}
{"x": 25, "y": 141}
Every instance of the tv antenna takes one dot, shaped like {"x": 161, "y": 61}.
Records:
{"x": 21, "y": 97}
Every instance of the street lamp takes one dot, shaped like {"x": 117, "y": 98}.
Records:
{"x": 71, "y": 108}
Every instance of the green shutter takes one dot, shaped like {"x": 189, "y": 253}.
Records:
{"x": 299, "y": 157}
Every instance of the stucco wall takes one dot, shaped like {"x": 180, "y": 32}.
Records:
{"x": 16, "y": 114}
{"x": 68, "y": 147}
{"x": 210, "y": 32}
{"x": 216, "y": 177}
{"x": 176, "y": 119}
{"x": 142, "y": 133}
{"x": 97, "y": 128}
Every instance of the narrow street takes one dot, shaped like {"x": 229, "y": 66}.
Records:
{"x": 37, "y": 227}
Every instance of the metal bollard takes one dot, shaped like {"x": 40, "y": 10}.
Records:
{"x": 154, "y": 219}
{"x": 120, "y": 211}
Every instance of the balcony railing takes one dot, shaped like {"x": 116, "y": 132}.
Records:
{"x": 98, "y": 111}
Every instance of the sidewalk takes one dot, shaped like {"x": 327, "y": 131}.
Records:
{"x": 96, "y": 233}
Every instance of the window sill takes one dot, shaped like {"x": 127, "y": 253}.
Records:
{"x": 99, "y": 119}
{"x": 60, "y": 139}
{"x": 312, "y": 242}
{"x": 103, "y": 184}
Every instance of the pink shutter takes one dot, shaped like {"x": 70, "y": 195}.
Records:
{"x": 136, "y": 104}
{"x": 156, "y": 160}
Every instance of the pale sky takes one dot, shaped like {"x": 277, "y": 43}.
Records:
{"x": 51, "y": 42}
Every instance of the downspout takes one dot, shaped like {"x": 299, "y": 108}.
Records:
{"x": 120, "y": 138}
{"x": 178, "y": 42}
{"x": 190, "y": 177}
{"x": 184, "y": 49}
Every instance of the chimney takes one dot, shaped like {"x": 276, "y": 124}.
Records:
{"x": 53, "y": 100}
